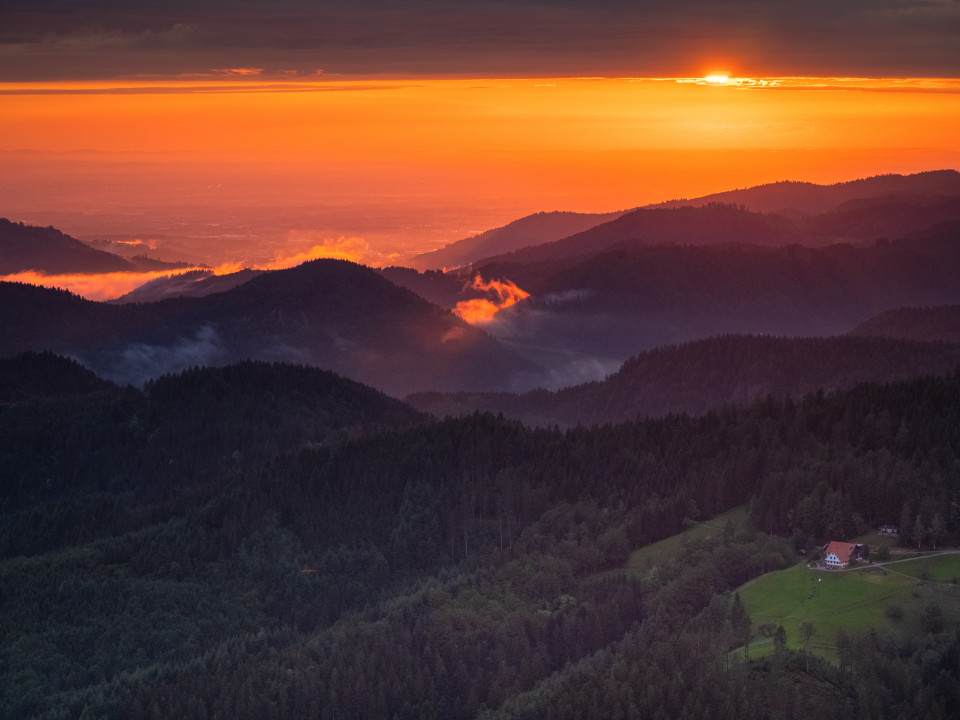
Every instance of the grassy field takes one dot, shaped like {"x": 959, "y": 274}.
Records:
{"x": 671, "y": 547}
{"x": 886, "y": 596}
{"x": 640, "y": 561}
{"x": 855, "y": 600}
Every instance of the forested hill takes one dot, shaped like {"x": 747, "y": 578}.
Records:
{"x": 531, "y": 230}
{"x": 195, "y": 283}
{"x": 811, "y": 198}
{"x": 865, "y": 209}
{"x": 707, "y": 374}
{"x": 66, "y": 434}
{"x": 629, "y": 298}
{"x": 327, "y": 313}
{"x": 702, "y": 226}
{"x": 47, "y": 250}
{"x": 33, "y": 375}
{"x": 927, "y": 323}
{"x": 449, "y": 569}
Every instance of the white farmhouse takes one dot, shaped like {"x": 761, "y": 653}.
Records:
{"x": 839, "y": 554}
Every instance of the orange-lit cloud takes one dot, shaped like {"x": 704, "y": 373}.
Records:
{"x": 107, "y": 286}
{"x": 353, "y": 249}
{"x": 241, "y": 72}
{"x": 599, "y": 37}
{"x": 104, "y": 286}
{"x": 137, "y": 242}
{"x": 479, "y": 311}
{"x": 448, "y": 149}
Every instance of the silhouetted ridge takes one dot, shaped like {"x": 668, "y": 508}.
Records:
{"x": 531, "y": 230}
{"x": 811, "y": 198}
{"x": 327, "y": 313}
{"x": 700, "y": 376}
{"x": 319, "y": 398}
{"x": 713, "y": 224}
{"x": 629, "y": 297}
{"x": 51, "y": 252}
{"x": 36, "y": 375}
{"x": 196, "y": 283}
{"x": 926, "y": 324}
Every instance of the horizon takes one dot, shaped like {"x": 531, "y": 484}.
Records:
{"x": 299, "y": 249}
{"x": 250, "y": 134}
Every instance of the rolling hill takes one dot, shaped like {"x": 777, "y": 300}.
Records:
{"x": 531, "y": 230}
{"x": 326, "y": 313}
{"x": 810, "y": 198}
{"x": 707, "y": 374}
{"x": 629, "y": 297}
{"x": 925, "y": 324}
{"x": 195, "y": 283}
{"x": 215, "y": 546}
{"x": 51, "y": 252}
{"x": 793, "y": 199}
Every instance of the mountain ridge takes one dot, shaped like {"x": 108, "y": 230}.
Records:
{"x": 705, "y": 375}
{"x": 529, "y": 230}
{"x": 923, "y": 324}
{"x": 328, "y": 313}
{"x": 628, "y": 298}
{"x": 49, "y": 251}
{"x": 813, "y": 198}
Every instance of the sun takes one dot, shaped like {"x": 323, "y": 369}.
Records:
{"x": 717, "y": 79}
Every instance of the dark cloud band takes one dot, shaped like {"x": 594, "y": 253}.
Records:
{"x": 115, "y": 38}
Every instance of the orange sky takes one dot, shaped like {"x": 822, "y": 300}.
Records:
{"x": 510, "y": 123}
{"x": 522, "y": 145}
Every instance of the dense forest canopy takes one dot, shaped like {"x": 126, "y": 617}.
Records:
{"x": 704, "y": 375}
{"x": 266, "y": 540}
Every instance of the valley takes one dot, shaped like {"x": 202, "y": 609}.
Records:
{"x": 318, "y": 491}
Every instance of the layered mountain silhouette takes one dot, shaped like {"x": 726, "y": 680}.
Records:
{"x": 445, "y": 289}
{"x": 590, "y": 311}
{"x": 44, "y": 375}
{"x": 705, "y": 375}
{"x": 855, "y": 222}
{"x": 531, "y": 230}
{"x": 810, "y": 198}
{"x": 49, "y": 251}
{"x": 646, "y": 278}
{"x": 880, "y": 218}
{"x": 925, "y": 324}
{"x": 327, "y": 313}
{"x": 195, "y": 283}
{"x": 712, "y": 224}
{"x": 919, "y": 191}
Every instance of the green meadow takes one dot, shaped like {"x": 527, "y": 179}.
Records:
{"x": 887, "y": 597}
{"x": 671, "y": 547}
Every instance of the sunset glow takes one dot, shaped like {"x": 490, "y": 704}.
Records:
{"x": 480, "y": 311}
{"x": 486, "y": 150}
{"x": 365, "y": 358}
{"x": 99, "y": 286}
{"x": 107, "y": 286}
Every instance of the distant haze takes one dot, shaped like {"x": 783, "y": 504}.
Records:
{"x": 246, "y": 170}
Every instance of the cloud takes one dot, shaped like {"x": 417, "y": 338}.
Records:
{"x": 139, "y": 362}
{"x": 354, "y": 249}
{"x": 577, "y": 37}
{"x": 501, "y": 294}
{"x": 107, "y": 286}
{"x": 84, "y": 38}
{"x": 238, "y": 72}
{"x": 103, "y": 286}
